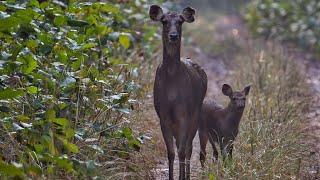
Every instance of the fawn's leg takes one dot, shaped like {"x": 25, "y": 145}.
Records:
{"x": 229, "y": 149}
{"x": 226, "y": 148}
{"x": 214, "y": 149}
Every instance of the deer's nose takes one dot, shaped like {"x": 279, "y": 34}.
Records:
{"x": 174, "y": 36}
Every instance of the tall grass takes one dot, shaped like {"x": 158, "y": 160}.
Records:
{"x": 269, "y": 144}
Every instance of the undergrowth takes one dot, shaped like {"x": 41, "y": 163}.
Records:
{"x": 70, "y": 80}
{"x": 270, "y": 144}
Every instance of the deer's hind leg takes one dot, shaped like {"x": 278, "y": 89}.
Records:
{"x": 203, "y": 137}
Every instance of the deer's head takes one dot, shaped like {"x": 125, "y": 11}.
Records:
{"x": 171, "y": 21}
{"x": 237, "y": 98}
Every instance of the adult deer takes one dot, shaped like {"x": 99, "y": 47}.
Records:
{"x": 179, "y": 90}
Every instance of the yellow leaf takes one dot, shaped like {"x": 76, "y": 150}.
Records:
{"x": 124, "y": 40}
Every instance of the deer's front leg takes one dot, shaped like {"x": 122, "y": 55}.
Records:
{"x": 168, "y": 139}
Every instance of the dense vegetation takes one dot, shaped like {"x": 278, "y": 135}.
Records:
{"x": 68, "y": 83}
{"x": 271, "y": 143}
{"x": 296, "y": 20}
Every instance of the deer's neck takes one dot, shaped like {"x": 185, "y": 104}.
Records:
{"x": 234, "y": 115}
{"x": 171, "y": 55}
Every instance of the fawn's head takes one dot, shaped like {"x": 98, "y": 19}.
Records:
{"x": 172, "y": 21}
{"x": 237, "y": 98}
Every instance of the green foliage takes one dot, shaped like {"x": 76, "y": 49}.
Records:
{"x": 297, "y": 20}
{"x": 68, "y": 82}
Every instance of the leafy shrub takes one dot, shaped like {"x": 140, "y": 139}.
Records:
{"x": 297, "y": 20}
{"x": 68, "y": 83}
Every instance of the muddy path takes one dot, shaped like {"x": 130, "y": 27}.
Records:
{"x": 219, "y": 69}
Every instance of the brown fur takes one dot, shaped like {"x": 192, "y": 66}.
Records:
{"x": 220, "y": 125}
{"x": 179, "y": 90}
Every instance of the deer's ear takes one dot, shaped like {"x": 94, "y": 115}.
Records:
{"x": 155, "y": 12}
{"x": 227, "y": 90}
{"x": 188, "y": 14}
{"x": 246, "y": 90}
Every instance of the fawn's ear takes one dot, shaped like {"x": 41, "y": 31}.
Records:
{"x": 246, "y": 90}
{"x": 155, "y": 12}
{"x": 188, "y": 14}
{"x": 227, "y": 90}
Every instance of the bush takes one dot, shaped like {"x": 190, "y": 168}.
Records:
{"x": 68, "y": 83}
{"x": 297, "y": 20}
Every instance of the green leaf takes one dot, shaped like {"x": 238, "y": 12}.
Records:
{"x": 38, "y": 147}
{"x": 127, "y": 133}
{"x": 2, "y": 8}
{"x": 45, "y": 38}
{"x": 78, "y": 23}
{"x": 29, "y": 64}
{"x": 70, "y": 146}
{"x": 110, "y": 8}
{"x": 34, "y": 3}
{"x": 50, "y": 114}
{"x": 63, "y": 56}
{"x": 211, "y": 177}
{"x": 24, "y": 16}
{"x": 61, "y": 121}
{"x": 32, "y": 45}
{"x": 64, "y": 163}
{"x": 124, "y": 40}
{"x": 88, "y": 46}
{"x": 60, "y": 20}
{"x": 22, "y": 118}
{"x": 10, "y": 93}
{"x": 32, "y": 89}
{"x": 7, "y": 23}
{"x": 10, "y": 170}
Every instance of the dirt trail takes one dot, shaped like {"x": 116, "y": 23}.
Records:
{"x": 311, "y": 67}
{"x": 218, "y": 71}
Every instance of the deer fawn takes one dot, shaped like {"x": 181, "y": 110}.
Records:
{"x": 179, "y": 90}
{"x": 220, "y": 124}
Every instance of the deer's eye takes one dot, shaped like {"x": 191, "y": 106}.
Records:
{"x": 165, "y": 23}
{"x": 163, "y": 20}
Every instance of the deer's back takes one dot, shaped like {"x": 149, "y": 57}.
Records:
{"x": 218, "y": 122}
{"x": 209, "y": 114}
{"x": 212, "y": 118}
{"x": 202, "y": 76}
